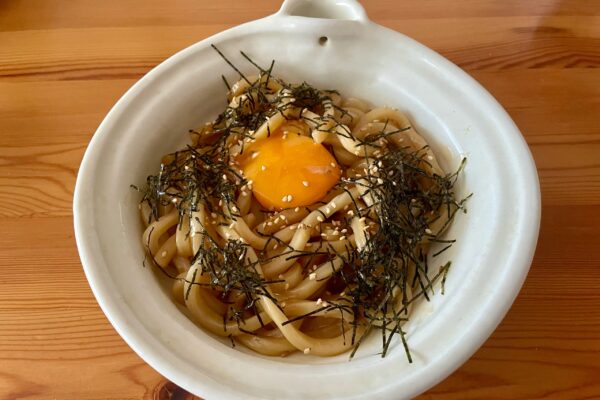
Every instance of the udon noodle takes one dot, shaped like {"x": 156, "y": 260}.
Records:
{"x": 314, "y": 278}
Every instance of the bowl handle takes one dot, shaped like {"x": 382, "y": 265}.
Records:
{"x": 324, "y": 9}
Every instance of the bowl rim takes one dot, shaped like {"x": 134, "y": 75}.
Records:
{"x": 83, "y": 219}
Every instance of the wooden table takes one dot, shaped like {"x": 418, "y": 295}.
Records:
{"x": 63, "y": 64}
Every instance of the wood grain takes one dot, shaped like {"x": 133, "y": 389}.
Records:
{"x": 64, "y": 64}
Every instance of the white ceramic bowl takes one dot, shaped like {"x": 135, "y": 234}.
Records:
{"x": 490, "y": 261}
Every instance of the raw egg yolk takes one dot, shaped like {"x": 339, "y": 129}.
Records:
{"x": 290, "y": 171}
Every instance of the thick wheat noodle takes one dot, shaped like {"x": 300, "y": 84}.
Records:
{"x": 173, "y": 240}
{"x": 183, "y": 240}
{"x": 195, "y": 300}
{"x": 291, "y": 278}
{"x": 300, "y": 340}
{"x": 269, "y": 346}
{"x": 337, "y": 245}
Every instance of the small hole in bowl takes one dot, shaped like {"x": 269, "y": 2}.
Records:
{"x": 323, "y": 40}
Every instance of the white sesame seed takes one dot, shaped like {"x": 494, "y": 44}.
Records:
{"x": 327, "y": 210}
{"x": 263, "y": 167}
{"x": 335, "y": 233}
{"x": 276, "y": 246}
{"x": 269, "y": 223}
{"x": 220, "y": 203}
{"x": 293, "y": 228}
{"x": 231, "y": 225}
{"x": 254, "y": 155}
{"x": 344, "y": 230}
{"x": 332, "y": 164}
{"x": 287, "y": 286}
{"x": 307, "y": 350}
{"x": 350, "y": 213}
{"x": 380, "y": 181}
{"x": 186, "y": 167}
{"x": 214, "y": 215}
{"x": 163, "y": 254}
{"x": 244, "y": 194}
{"x": 428, "y": 231}
{"x": 312, "y": 276}
{"x": 296, "y": 209}
{"x": 289, "y": 198}
{"x": 342, "y": 237}
{"x": 174, "y": 200}
{"x": 284, "y": 198}
{"x": 305, "y": 183}
{"x": 224, "y": 177}
{"x": 320, "y": 218}
{"x": 430, "y": 158}
{"x": 319, "y": 301}
{"x": 323, "y": 235}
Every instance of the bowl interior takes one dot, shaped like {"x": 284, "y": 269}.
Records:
{"x": 449, "y": 109}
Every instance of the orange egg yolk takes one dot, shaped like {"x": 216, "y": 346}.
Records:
{"x": 289, "y": 171}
